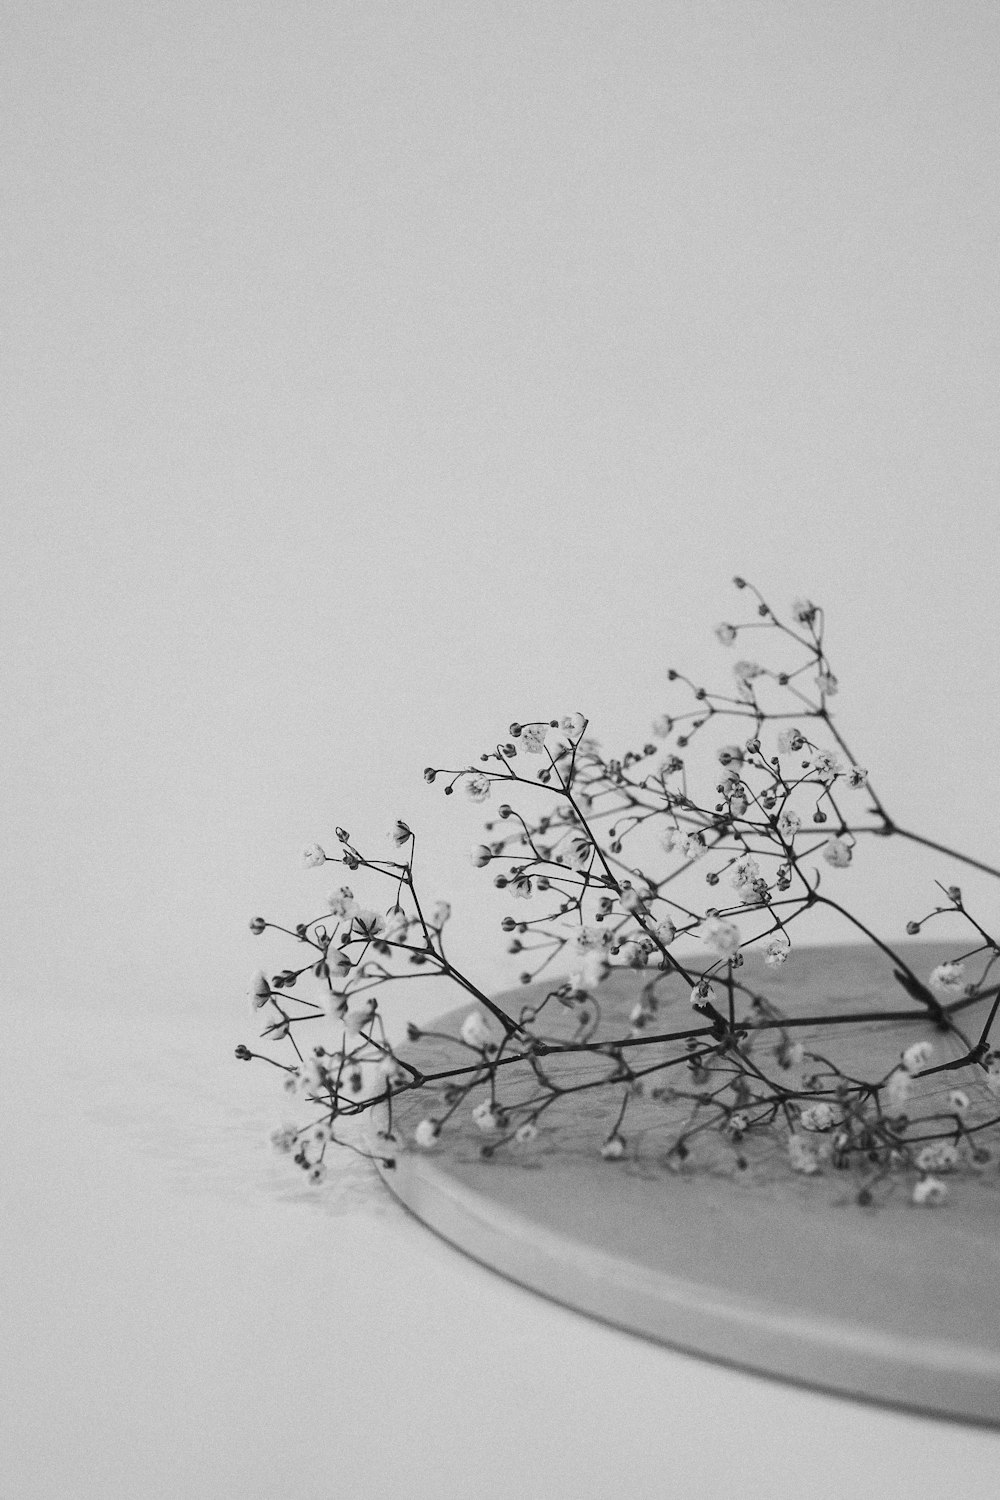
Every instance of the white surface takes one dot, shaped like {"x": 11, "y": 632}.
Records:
{"x": 181, "y": 1317}
{"x": 375, "y": 374}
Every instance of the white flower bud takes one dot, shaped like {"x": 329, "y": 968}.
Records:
{"x": 917, "y": 1056}
{"x": 837, "y": 853}
{"x": 802, "y": 1155}
{"x": 776, "y": 950}
{"x": 947, "y": 979}
{"x": 930, "y": 1191}
{"x": 937, "y": 1156}
{"x": 533, "y": 738}
{"x": 475, "y": 1032}
{"x": 720, "y": 937}
{"x": 817, "y": 1117}
{"x": 487, "y": 1117}
{"x": 426, "y": 1134}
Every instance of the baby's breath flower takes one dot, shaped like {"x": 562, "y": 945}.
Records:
{"x": 662, "y": 726}
{"x": 427, "y": 1133}
{"x": 702, "y": 994}
{"x": 391, "y": 1072}
{"x": 526, "y": 1132}
{"x": 693, "y": 845}
{"x": 533, "y": 738}
{"x": 754, "y": 893}
{"x": 746, "y": 671}
{"x": 790, "y": 1055}
{"x": 632, "y": 954}
{"x": 317, "y": 1172}
{"x": 488, "y": 1117}
{"x": 477, "y": 786}
{"x": 991, "y": 1075}
{"x": 731, "y": 755}
{"x": 284, "y": 1139}
{"x": 368, "y": 923}
{"x": 827, "y": 684}
{"x": 897, "y": 1090}
{"x": 440, "y": 913}
{"x": 400, "y": 833}
{"x": 776, "y": 950}
{"x": 917, "y": 1056}
{"x": 802, "y": 1155}
{"x": 958, "y": 1100}
{"x": 640, "y": 1013}
{"x": 720, "y": 937}
{"x": 313, "y": 855}
{"x": 665, "y": 931}
{"x": 930, "y": 1191}
{"x": 592, "y": 971}
{"x": 475, "y": 1032}
{"x": 341, "y": 966}
{"x": 937, "y": 1156}
{"x": 803, "y": 611}
{"x": 947, "y": 979}
{"x": 857, "y": 777}
{"x": 312, "y": 1074}
{"x": 613, "y": 1148}
{"x": 789, "y": 741}
{"x": 342, "y": 903}
{"x": 789, "y": 824}
{"x": 818, "y": 1117}
{"x": 520, "y": 885}
{"x": 579, "y": 850}
{"x": 260, "y": 990}
{"x": 738, "y": 803}
{"x": 396, "y": 926}
{"x": 745, "y": 873}
{"x": 837, "y": 853}
{"x": 587, "y": 937}
{"x": 480, "y": 855}
{"x": 725, "y": 634}
{"x": 826, "y": 765}
{"x": 573, "y": 726}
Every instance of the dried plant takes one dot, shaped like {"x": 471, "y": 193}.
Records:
{"x": 611, "y": 873}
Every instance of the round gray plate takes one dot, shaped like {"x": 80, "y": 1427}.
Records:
{"x": 758, "y": 1267}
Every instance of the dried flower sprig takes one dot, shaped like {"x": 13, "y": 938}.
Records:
{"x": 612, "y": 872}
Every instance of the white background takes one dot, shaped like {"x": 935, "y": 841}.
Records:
{"x": 377, "y": 374}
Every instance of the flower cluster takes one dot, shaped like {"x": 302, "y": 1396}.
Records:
{"x": 671, "y": 870}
